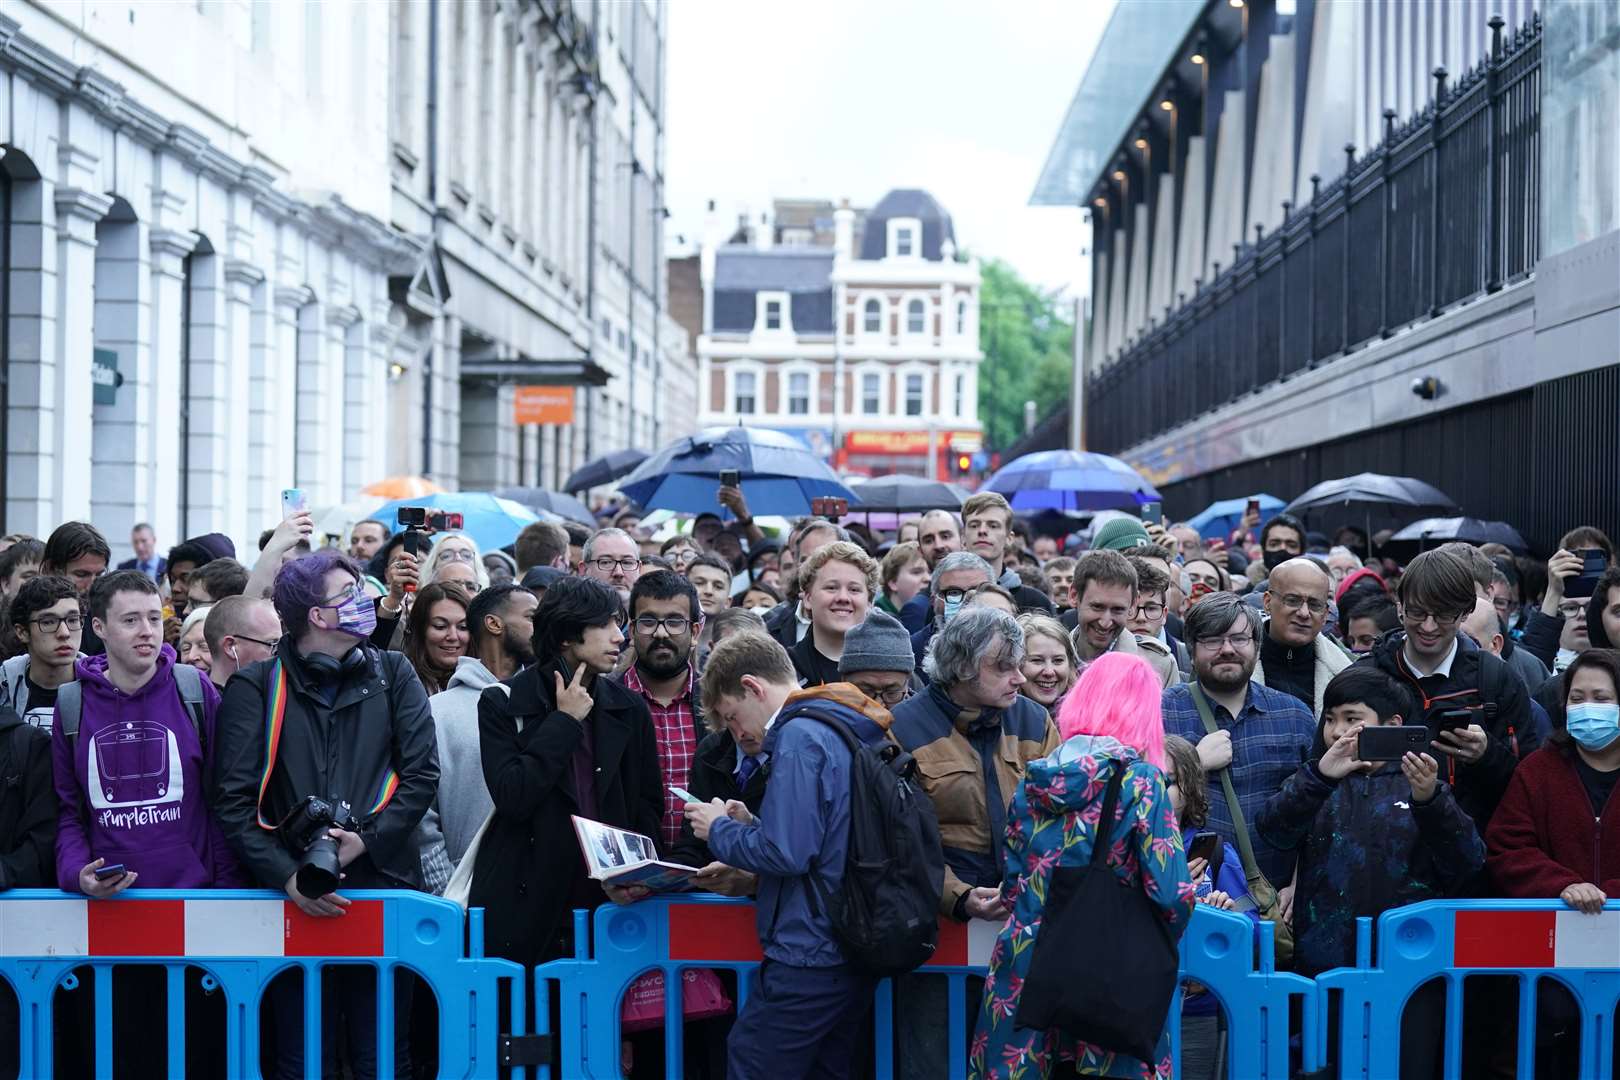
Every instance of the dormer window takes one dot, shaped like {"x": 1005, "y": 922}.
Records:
{"x": 905, "y": 238}
{"x": 773, "y": 314}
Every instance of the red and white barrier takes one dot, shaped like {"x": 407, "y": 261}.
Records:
{"x": 214, "y": 928}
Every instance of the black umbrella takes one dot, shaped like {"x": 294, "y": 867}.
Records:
{"x": 540, "y": 499}
{"x": 604, "y": 470}
{"x": 1372, "y": 493}
{"x": 908, "y": 495}
{"x": 1468, "y": 530}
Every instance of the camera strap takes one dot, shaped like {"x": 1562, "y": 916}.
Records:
{"x": 274, "y": 720}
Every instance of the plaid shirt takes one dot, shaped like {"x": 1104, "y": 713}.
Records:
{"x": 675, "y": 728}
{"x": 1271, "y": 736}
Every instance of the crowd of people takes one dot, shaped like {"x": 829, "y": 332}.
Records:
{"x": 411, "y": 712}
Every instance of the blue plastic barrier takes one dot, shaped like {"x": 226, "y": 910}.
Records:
{"x": 1532, "y": 940}
{"x": 672, "y": 935}
{"x": 242, "y": 939}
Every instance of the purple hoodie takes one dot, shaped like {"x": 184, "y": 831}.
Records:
{"x": 133, "y": 790}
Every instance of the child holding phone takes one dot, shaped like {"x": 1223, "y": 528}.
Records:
{"x": 1371, "y": 836}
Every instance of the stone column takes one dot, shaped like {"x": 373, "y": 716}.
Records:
{"x": 341, "y": 471}
{"x": 243, "y": 281}
{"x": 311, "y": 402}
{"x": 121, "y": 443}
{"x": 31, "y": 482}
{"x": 366, "y": 428}
{"x": 68, "y": 479}
{"x": 279, "y": 454}
{"x": 168, "y": 248}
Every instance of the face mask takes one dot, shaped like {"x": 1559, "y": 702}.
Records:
{"x": 952, "y": 607}
{"x": 1274, "y": 559}
{"x": 357, "y": 616}
{"x": 1594, "y": 724}
{"x": 760, "y": 611}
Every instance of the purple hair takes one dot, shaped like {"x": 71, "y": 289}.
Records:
{"x": 301, "y": 585}
{"x": 1118, "y": 696}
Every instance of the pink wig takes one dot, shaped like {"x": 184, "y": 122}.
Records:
{"x": 1118, "y": 696}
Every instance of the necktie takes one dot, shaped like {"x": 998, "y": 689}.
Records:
{"x": 744, "y": 771}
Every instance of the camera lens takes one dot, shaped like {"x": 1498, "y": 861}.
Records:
{"x": 318, "y": 869}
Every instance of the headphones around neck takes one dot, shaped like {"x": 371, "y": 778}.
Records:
{"x": 323, "y": 668}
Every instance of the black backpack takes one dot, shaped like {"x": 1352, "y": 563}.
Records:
{"x": 886, "y": 914}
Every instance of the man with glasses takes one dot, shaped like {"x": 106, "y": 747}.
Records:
{"x": 239, "y": 630}
{"x": 612, "y": 557}
{"x": 1261, "y": 734}
{"x": 877, "y": 659}
{"x": 47, "y": 619}
{"x": 353, "y": 728}
{"x": 1295, "y": 656}
{"x": 955, "y": 577}
{"x": 1149, "y": 619}
{"x": 665, "y": 621}
{"x": 1471, "y": 701}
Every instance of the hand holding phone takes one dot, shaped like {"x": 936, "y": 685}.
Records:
{"x": 1391, "y": 743}
{"x": 1153, "y": 512}
{"x": 293, "y": 500}
{"x": 683, "y": 795}
{"x": 105, "y": 873}
{"x": 730, "y": 478}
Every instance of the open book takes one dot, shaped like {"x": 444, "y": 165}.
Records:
{"x": 621, "y": 857}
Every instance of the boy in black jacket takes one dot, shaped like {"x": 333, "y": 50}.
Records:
{"x": 27, "y": 833}
{"x": 1371, "y": 835}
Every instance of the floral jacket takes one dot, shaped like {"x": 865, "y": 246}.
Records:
{"x": 1053, "y": 822}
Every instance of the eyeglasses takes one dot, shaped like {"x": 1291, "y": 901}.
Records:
{"x": 271, "y": 644}
{"x": 350, "y": 592}
{"x": 674, "y": 625}
{"x": 1417, "y": 617}
{"x": 886, "y": 697}
{"x": 50, "y": 624}
{"x": 1147, "y": 611}
{"x": 1294, "y": 602}
{"x": 456, "y": 554}
{"x": 1571, "y": 611}
{"x": 955, "y": 596}
{"x": 606, "y": 564}
{"x": 1235, "y": 642}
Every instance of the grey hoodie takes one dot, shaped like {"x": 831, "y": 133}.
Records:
{"x": 14, "y": 688}
{"x": 464, "y": 800}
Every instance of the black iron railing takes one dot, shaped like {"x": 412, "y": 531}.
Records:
{"x": 1443, "y": 210}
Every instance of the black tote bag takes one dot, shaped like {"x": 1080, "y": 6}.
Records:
{"x": 1119, "y": 998}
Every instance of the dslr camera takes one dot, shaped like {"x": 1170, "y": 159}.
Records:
{"x": 306, "y": 831}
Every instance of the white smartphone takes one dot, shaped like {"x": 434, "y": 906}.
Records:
{"x": 683, "y": 794}
{"x": 293, "y": 500}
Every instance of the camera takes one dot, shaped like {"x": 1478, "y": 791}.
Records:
{"x": 306, "y": 832}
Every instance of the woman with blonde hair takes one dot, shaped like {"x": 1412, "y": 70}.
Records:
{"x": 1050, "y": 662}
{"x": 1112, "y": 759}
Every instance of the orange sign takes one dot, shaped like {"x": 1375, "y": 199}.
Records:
{"x": 543, "y": 405}
{"x": 903, "y": 442}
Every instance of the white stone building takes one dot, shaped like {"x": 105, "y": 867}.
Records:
{"x": 251, "y": 245}
{"x": 868, "y": 353}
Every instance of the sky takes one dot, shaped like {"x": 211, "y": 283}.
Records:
{"x": 850, "y": 98}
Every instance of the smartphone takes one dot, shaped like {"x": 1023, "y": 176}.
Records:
{"x": 1592, "y": 566}
{"x": 1253, "y": 508}
{"x": 683, "y": 795}
{"x": 1152, "y": 512}
{"x": 1204, "y": 846}
{"x": 829, "y": 507}
{"x": 1391, "y": 743}
{"x": 293, "y": 500}
{"x": 116, "y": 870}
{"x": 730, "y": 478}
{"x": 1452, "y": 719}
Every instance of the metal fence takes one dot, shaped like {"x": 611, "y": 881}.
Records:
{"x": 1443, "y": 210}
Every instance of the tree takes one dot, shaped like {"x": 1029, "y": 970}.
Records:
{"x": 1028, "y": 353}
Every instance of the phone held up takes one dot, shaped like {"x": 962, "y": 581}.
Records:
{"x": 1152, "y": 512}
{"x": 1391, "y": 743}
{"x": 1592, "y": 566}
{"x": 829, "y": 507}
{"x": 730, "y": 478}
{"x": 293, "y": 501}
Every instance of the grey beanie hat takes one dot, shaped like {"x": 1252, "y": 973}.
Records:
{"x": 880, "y": 643}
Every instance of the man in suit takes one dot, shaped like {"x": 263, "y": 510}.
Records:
{"x": 146, "y": 559}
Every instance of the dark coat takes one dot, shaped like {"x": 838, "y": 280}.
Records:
{"x": 27, "y": 806}
{"x": 529, "y": 868}
{"x": 378, "y": 721}
{"x": 714, "y": 777}
{"x": 782, "y": 623}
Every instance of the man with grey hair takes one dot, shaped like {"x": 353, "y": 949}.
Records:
{"x": 612, "y": 557}
{"x": 1261, "y": 735}
{"x": 1295, "y": 656}
{"x": 955, "y": 576}
{"x": 972, "y": 734}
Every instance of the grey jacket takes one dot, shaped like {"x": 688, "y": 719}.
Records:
{"x": 14, "y": 684}
{"x": 464, "y": 800}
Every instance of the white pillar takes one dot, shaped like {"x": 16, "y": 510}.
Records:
{"x": 207, "y": 480}
{"x": 310, "y": 406}
{"x": 278, "y": 458}
{"x": 243, "y": 281}
{"x": 32, "y": 487}
{"x": 77, "y": 212}
{"x": 366, "y": 431}
{"x": 169, "y": 249}
{"x": 120, "y": 442}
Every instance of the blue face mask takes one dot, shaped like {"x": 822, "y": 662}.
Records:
{"x": 952, "y": 607}
{"x": 1593, "y": 724}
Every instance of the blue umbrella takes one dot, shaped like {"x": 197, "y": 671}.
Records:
{"x": 1071, "y": 480}
{"x": 490, "y": 521}
{"x": 1217, "y": 520}
{"x": 779, "y": 474}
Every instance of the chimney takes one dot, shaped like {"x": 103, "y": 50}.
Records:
{"x": 843, "y": 232}
{"x": 765, "y": 236}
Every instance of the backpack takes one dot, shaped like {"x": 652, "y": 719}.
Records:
{"x": 886, "y": 914}
{"x": 187, "y": 680}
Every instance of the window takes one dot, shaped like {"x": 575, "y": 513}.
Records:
{"x": 905, "y": 237}
{"x": 744, "y": 393}
{"x": 799, "y": 393}
{"x": 905, "y": 243}
{"x": 773, "y": 314}
{"x": 961, "y": 317}
{"x": 607, "y": 330}
{"x": 873, "y": 318}
{"x": 914, "y": 395}
{"x": 871, "y": 394}
{"x": 961, "y": 395}
{"x": 621, "y": 341}
{"x": 914, "y": 317}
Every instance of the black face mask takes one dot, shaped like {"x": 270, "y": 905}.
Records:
{"x": 1274, "y": 559}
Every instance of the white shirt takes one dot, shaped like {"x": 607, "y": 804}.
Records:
{"x": 1442, "y": 668}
